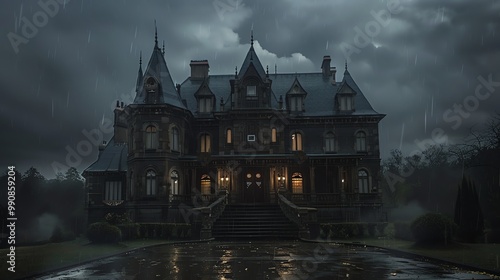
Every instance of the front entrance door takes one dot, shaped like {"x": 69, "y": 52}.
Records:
{"x": 253, "y": 186}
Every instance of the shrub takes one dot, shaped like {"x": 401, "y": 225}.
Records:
{"x": 60, "y": 235}
{"x": 103, "y": 233}
{"x": 402, "y": 230}
{"x": 129, "y": 231}
{"x": 432, "y": 228}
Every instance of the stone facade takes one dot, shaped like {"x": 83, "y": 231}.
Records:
{"x": 249, "y": 133}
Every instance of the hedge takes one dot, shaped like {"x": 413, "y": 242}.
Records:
{"x": 102, "y": 232}
{"x": 348, "y": 230}
{"x": 164, "y": 230}
{"x": 433, "y": 228}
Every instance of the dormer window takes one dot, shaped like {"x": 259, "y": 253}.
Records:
{"x": 346, "y": 103}
{"x": 296, "y": 104}
{"x": 251, "y": 91}
{"x": 205, "y": 104}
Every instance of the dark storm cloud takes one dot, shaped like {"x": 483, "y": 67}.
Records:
{"x": 68, "y": 76}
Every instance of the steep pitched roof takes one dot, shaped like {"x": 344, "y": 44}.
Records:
{"x": 250, "y": 59}
{"x": 112, "y": 159}
{"x": 157, "y": 68}
{"x": 319, "y": 100}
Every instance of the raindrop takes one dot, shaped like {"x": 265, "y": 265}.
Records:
{"x": 402, "y": 134}
{"x": 20, "y": 14}
{"x": 102, "y": 120}
{"x": 425, "y": 122}
{"x": 326, "y": 45}
{"x": 135, "y": 35}
{"x": 96, "y": 83}
{"x": 432, "y": 105}
{"x": 67, "y": 100}
{"x": 88, "y": 39}
{"x": 81, "y": 7}
{"x": 416, "y": 59}
{"x": 131, "y": 46}
{"x": 442, "y": 15}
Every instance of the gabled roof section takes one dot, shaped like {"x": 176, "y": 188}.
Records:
{"x": 112, "y": 159}
{"x": 157, "y": 68}
{"x": 296, "y": 88}
{"x": 361, "y": 104}
{"x": 250, "y": 59}
{"x": 204, "y": 89}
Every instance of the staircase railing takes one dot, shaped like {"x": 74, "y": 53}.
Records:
{"x": 304, "y": 217}
{"x": 206, "y": 216}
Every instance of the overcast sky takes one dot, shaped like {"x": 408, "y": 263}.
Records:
{"x": 64, "y": 75}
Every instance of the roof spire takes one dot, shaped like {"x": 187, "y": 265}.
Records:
{"x": 156, "y": 35}
{"x": 163, "y": 49}
{"x": 236, "y": 71}
{"x": 346, "y": 65}
{"x": 251, "y": 37}
{"x": 267, "y": 71}
{"x": 140, "y": 59}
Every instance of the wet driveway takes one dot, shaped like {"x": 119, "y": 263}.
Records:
{"x": 262, "y": 260}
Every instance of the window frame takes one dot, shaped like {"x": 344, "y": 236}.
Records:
{"x": 297, "y": 141}
{"x": 361, "y": 141}
{"x": 151, "y": 137}
{"x": 205, "y": 143}
{"x": 151, "y": 182}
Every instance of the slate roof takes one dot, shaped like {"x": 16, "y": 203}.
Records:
{"x": 319, "y": 101}
{"x": 112, "y": 159}
{"x": 157, "y": 68}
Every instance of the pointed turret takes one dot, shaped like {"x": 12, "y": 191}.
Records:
{"x": 252, "y": 59}
{"x": 158, "y": 82}
{"x": 140, "y": 75}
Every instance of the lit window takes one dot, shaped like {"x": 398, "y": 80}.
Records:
{"x": 175, "y": 139}
{"x": 296, "y": 141}
{"x": 229, "y": 136}
{"x": 297, "y": 183}
{"x": 113, "y": 190}
{"x": 151, "y": 137}
{"x": 174, "y": 182}
{"x": 150, "y": 182}
{"x": 205, "y": 143}
{"x": 329, "y": 142}
{"x": 273, "y": 135}
{"x": 251, "y": 91}
{"x": 361, "y": 141}
{"x": 205, "y": 184}
{"x": 363, "y": 182}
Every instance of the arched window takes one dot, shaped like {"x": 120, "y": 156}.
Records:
{"x": 363, "y": 182}
{"x": 205, "y": 184}
{"x": 174, "y": 141}
{"x": 150, "y": 182}
{"x": 229, "y": 136}
{"x": 205, "y": 143}
{"x": 113, "y": 190}
{"x": 151, "y": 137}
{"x": 297, "y": 183}
{"x": 174, "y": 182}
{"x": 360, "y": 141}
{"x": 273, "y": 135}
{"x": 296, "y": 141}
{"x": 329, "y": 142}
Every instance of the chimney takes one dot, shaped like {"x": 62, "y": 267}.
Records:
{"x": 333, "y": 70}
{"x": 325, "y": 66}
{"x": 199, "y": 69}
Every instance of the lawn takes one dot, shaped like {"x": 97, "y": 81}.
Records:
{"x": 37, "y": 259}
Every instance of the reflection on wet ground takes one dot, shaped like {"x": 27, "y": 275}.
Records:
{"x": 262, "y": 260}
